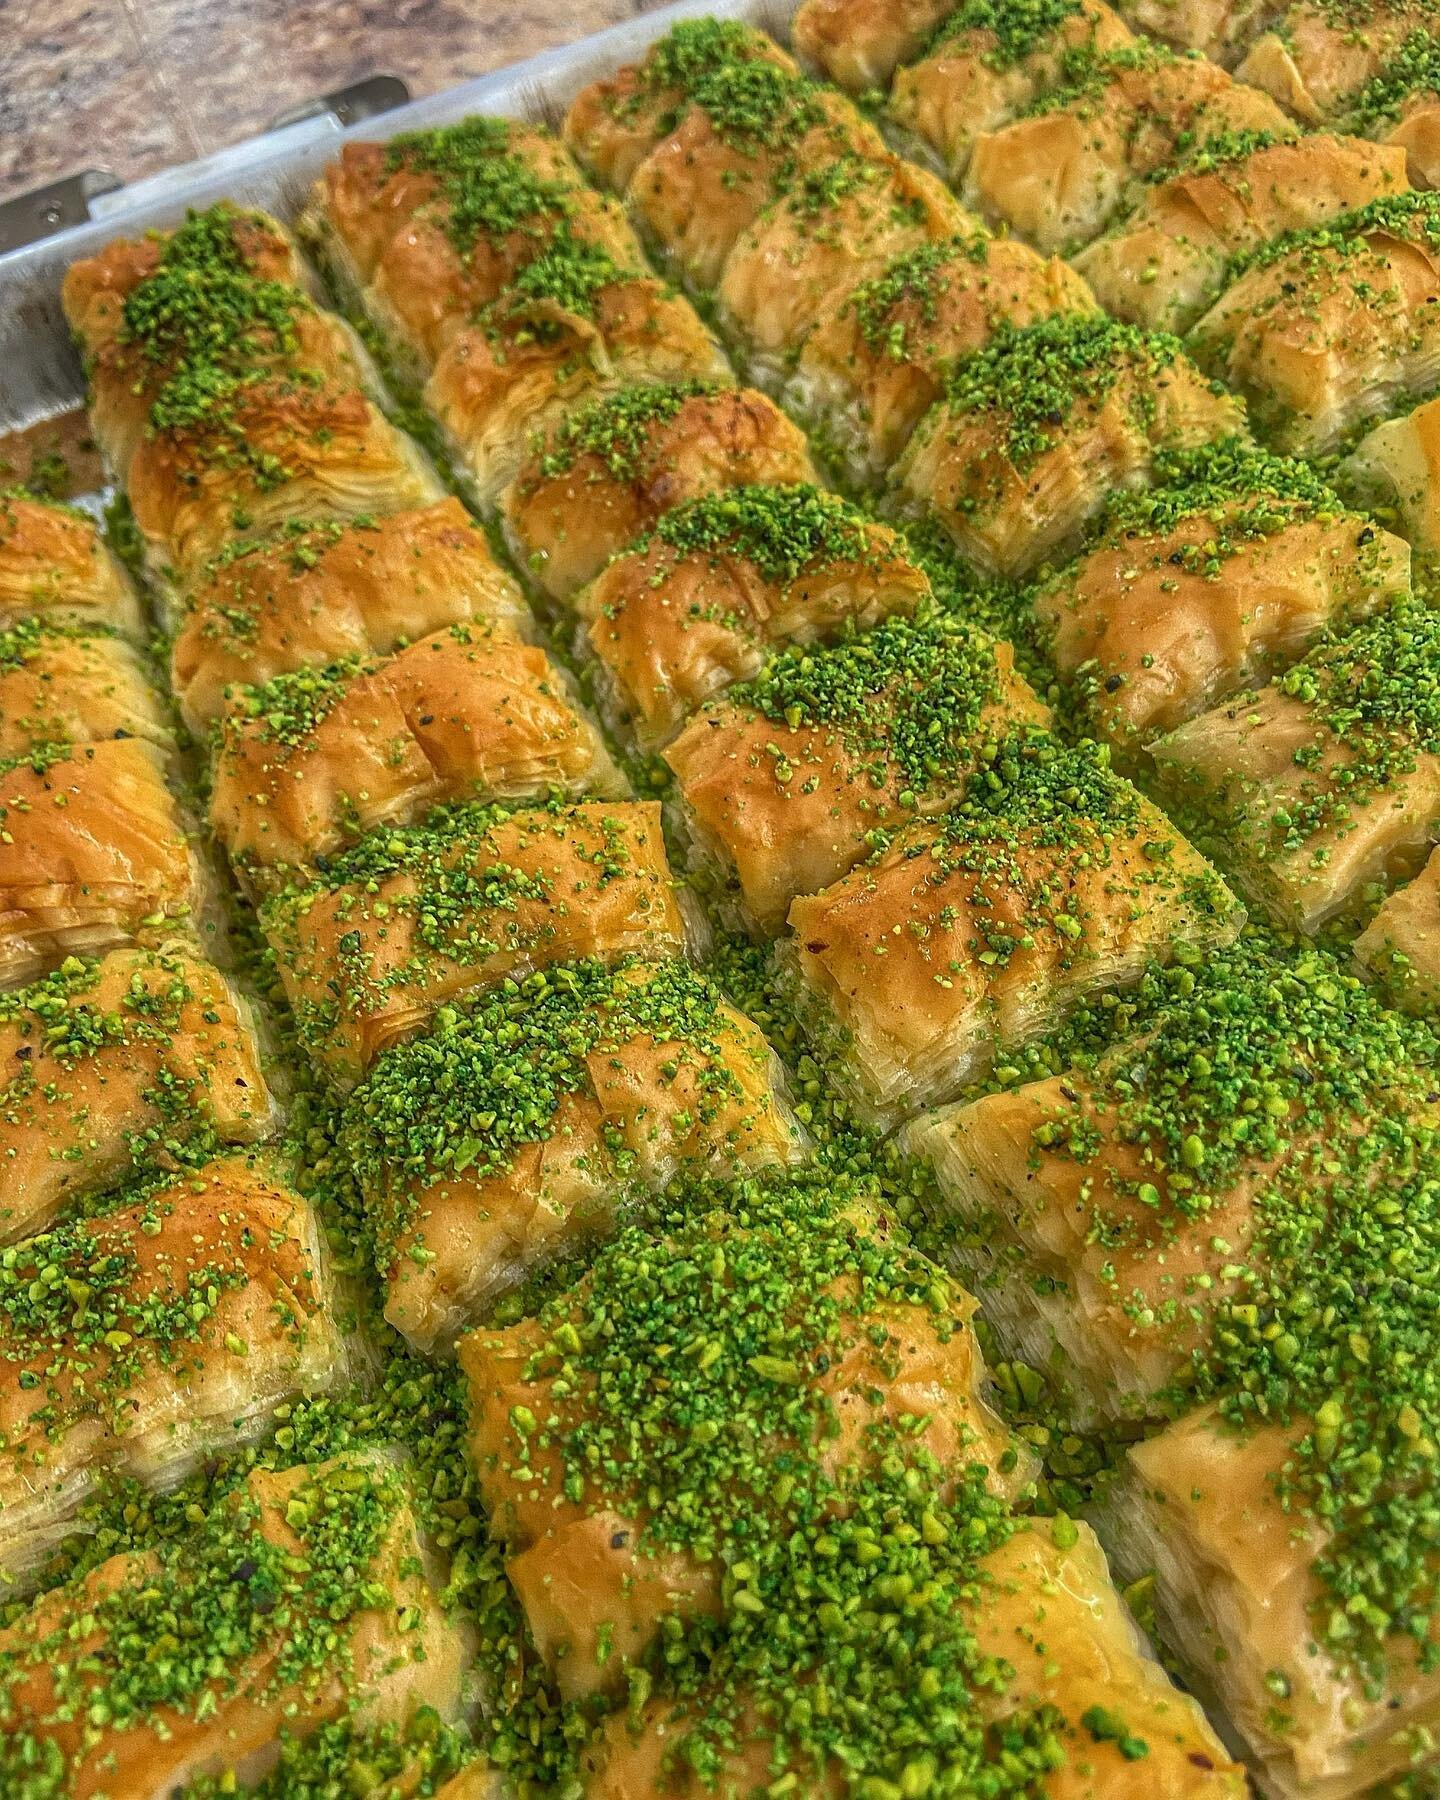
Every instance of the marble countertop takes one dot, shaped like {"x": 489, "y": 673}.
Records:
{"x": 137, "y": 85}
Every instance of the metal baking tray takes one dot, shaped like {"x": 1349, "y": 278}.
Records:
{"x": 40, "y": 376}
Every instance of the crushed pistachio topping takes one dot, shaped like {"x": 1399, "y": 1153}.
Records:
{"x": 906, "y": 699}
{"x": 617, "y": 430}
{"x": 489, "y": 189}
{"x": 488, "y": 1078}
{"x": 915, "y": 280}
{"x": 849, "y": 1576}
{"x": 182, "y": 1625}
{"x": 783, "y": 531}
{"x": 1409, "y": 72}
{"x": 1033, "y": 377}
{"x": 1284, "y": 1070}
{"x": 1322, "y": 252}
{"x": 460, "y": 895}
{"x": 726, "y": 70}
{"x": 212, "y": 327}
{"x": 1016, "y": 27}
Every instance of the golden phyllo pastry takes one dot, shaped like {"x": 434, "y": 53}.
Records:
{"x": 141, "y": 1060}
{"x": 512, "y": 1131}
{"x": 225, "y": 401}
{"x": 715, "y": 124}
{"x": 163, "y": 1329}
{"x": 1125, "y": 1211}
{"x": 695, "y": 604}
{"x": 1400, "y": 105}
{"x": 1325, "y": 331}
{"x": 793, "y": 777}
{"x": 573, "y": 324}
{"x": 471, "y": 898}
{"x": 1396, "y": 468}
{"x": 1037, "y": 430}
{"x": 429, "y": 228}
{"x": 313, "y": 760}
{"x": 970, "y": 935}
{"x": 1400, "y": 946}
{"x": 1168, "y": 257}
{"x": 318, "y": 593}
{"x": 1319, "y": 54}
{"x": 1251, "y": 1588}
{"x": 860, "y": 43}
{"x": 1192, "y": 589}
{"x": 608, "y": 471}
{"x": 301, "y": 1597}
{"x": 811, "y": 1349}
{"x": 74, "y": 684}
{"x": 1327, "y": 780}
{"x": 54, "y": 562}
{"x": 987, "y": 64}
{"x": 1058, "y": 176}
{"x": 94, "y": 851}
{"x": 879, "y": 355}
{"x": 835, "y": 225}
{"x": 1221, "y": 29}
{"x": 1043, "y": 1607}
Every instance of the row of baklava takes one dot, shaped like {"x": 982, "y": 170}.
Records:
{"x": 431, "y": 955}
{"x": 163, "y": 1287}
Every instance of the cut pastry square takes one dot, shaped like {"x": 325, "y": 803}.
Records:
{"x": 1247, "y": 1587}
{"x": 1127, "y": 1213}
{"x": 303, "y": 1597}
{"x": 1400, "y": 946}
{"x": 705, "y": 133}
{"x": 317, "y": 593}
{"x": 859, "y": 44}
{"x": 472, "y": 898}
{"x": 142, "y": 1060}
{"x": 1041, "y": 1605}
{"x": 1339, "y": 326}
{"x": 833, "y": 226}
{"x": 1040, "y": 428}
{"x": 986, "y": 65}
{"x": 313, "y": 760}
{"x": 973, "y": 934}
{"x": 1319, "y": 54}
{"x": 94, "y": 851}
{"x": 160, "y": 1331}
{"x": 607, "y": 472}
{"x": 424, "y": 231}
{"x": 879, "y": 355}
{"x": 510, "y": 1132}
{"x": 808, "y": 1344}
{"x": 225, "y": 256}
{"x": 696, "y": 603}
{"x": 1400, "y": 105}
{"x": 72, "y": 684}
{"x": 613, "y": 125}
{"x": 1328, "y": 780}
{"x": 226, "y": 402}
{"x": 1220, "y": 29}
{"x": 1167, "y": 258}
{"x": 1396, "y": 469}
{"x": 574, "y": 324}
{"x": 1059, "y": 175}
{"x": 1194, "y": 588}
{"x": 55, "y": 563}
{"x": 794, "y": 776}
